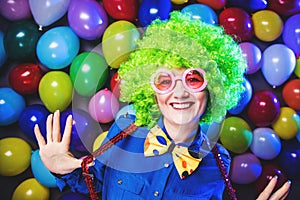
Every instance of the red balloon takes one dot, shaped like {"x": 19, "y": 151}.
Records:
{"x": 291, "y": 94}
{"x": 237, "y": 23}
{"x": 268, "y": 172}
{"x": 122, "y": 9}
{"x": 25, "y": 78}
{"x": 115, "y": 84}
{"x": 263, "y": 108}
{"x": 284, "y": 7}
{"x": 215, "y": 4}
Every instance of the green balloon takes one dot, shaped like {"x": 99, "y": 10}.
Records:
{"x": 20, "y": 40}
{"x": 236, "y": 134}
{"x": 89, "y": 73}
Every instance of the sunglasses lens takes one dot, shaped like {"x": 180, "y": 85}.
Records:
{"x": 194, "y": 79}
{"x": 163, "y": 81}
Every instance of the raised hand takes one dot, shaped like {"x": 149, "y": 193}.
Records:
{"x": 55, "y": 152}
{"x": 280, "y": 194}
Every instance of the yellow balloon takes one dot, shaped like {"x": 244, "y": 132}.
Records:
{"x": 179, "y": 1}
{"x": 98, "y": 141}
{"x": 31, "y": 189}
{"x": 286, "y": 126}
{"x": 15, "y": 155}
{"x": 297, "y": 69}
{"x": 267, "y": 25}
{"x": 118, "y": 41}
{"x": 55, "y": 90}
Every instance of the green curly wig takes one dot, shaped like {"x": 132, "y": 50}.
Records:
{"x": 181, "y": 42}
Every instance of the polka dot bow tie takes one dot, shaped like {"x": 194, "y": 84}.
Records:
{"x": 157, "y": 143}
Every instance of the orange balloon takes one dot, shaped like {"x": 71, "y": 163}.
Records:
{"x": 291, "y": 94}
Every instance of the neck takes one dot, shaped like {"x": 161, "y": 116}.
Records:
{"x": 181, "y": 133}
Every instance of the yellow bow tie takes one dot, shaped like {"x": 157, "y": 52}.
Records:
{"x": 157, "y": 143}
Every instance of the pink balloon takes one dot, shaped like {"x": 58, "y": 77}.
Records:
{"x": 15, "y": 9}
{"x": 253, "y": 55}
{"x": 103, "y": 106}
{"x": 245, "y": 168}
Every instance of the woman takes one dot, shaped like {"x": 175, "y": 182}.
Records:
{"x": 184, "y": 73}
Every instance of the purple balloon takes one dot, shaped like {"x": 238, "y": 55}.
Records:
{"x": 104, "y": 106}
{"x": 291, "y": 34}
{"x": 265, "y": 144}
{"x": 15, "y": 9}
{"x": 87, "y": 18}
{"x": 84, "y": 130}
{"x": 253, "y": 55}
{"x": 245, "y": 168}
{"x": 244, "y": 99}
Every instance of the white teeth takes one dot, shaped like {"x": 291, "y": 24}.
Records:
{"x": 181, "y": 106}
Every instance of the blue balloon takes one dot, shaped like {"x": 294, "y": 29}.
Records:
{"x": 11, "y": 106}
{"x": 73, "y": 196}
{"x": 201, "y": 12}
{"x": 3, "y": 55}
{"x": 57, "y": 47}
{"x": 291, "y": 34}
{"x": 244, "y": 99}
{"x": 152, "y": 9}
{"x": 40, "y": 171}
{"x": 32, "y": 115}
{"x": 251, "y": 5}
{"x": 84, "y": 130}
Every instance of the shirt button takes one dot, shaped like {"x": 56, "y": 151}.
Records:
{"x": 156, "y": 193}
{"x": 120, "y": 182}
{"x": 166, "y": 165}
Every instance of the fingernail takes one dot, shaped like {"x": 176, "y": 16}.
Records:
{"x": 36, "y": 125}
{"x": 289, "y": 181}
{"x": 276, "y": 177}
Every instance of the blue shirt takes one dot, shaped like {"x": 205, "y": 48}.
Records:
{"x": 123, "y": 172}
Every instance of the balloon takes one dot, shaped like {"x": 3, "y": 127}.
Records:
{"x": 73, "y": 196}
{"x": 40, "y": 172}
{"x": 126, "y": 110}
{"x": 263, "y": 108}
{"x": 252, "y": 55}
{"x": 32, "y": 115}
{"x": 25, "y": 78}
{"x": 88, "y": 72}
{"x": 115, "y": 84}
{"x": 55, "y": 90}
{"x": 14, "y": 10}
{"x": 237, "y": 23}
{"x": 103, "y": 106}
{"x": 12, "y": 104}
{"x": 57, "y": 47}
{"x": 31, "y": 189}
{"x": 286, "y": 126}
{"x": 268, "y": 172}
{"x": 87, "y": 18}
{"x": 244, "y": 99}
{"x": 201, "y": 12}
{"x": 265, "y": 144}
{"x": 284, "y": 8}
{"x": 118, "y": 41}
{"x": 236, "y": 134}
{"x": 278, "y": 64}
{"x": 250, "y": 5}
{"x": 216, "y": 4}
{"x": 20, "y": 40}
{"x": 291, "y": 94}
{"x": 291, "y": 34}
{"x": 3, "y": 55}
{"x": 47, "y": 12}
{"x": 179, "y": 2}
{"x": 14, "y": 155}
{"x": 152, "y": 9}
{"x": 267, "y": 25}
{"x": 245, "y": 168}
{"x": 84, "y": 129}
{"x": 289, "y": 159}
{"x": 122, "y": 9}
{"x": 99, "y": 140}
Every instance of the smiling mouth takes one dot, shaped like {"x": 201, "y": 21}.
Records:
{"x": 181, "y": 105}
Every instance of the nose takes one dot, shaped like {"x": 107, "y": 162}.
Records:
{"x": 179, "y": 90}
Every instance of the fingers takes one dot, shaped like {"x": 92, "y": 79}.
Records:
{"x": 68, "y": 130}
{"x": 39, "y": 136}
{"x": 265, "y": 194}
{"x": 282, "y": 192}
{"x": 56, "y": 136}
{"x": 49, "y": 128}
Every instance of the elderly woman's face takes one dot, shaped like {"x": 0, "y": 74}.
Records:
{"x": 184, "y": 103}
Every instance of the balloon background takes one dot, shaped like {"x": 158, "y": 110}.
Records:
{"x": 45, "y": 65}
